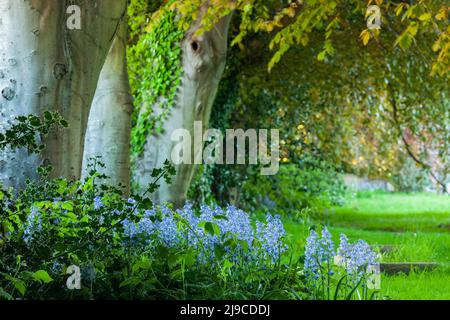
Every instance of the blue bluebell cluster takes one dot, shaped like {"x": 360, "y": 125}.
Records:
{"x": 356, "y": 257}
{"x": 98, "y": 204}
{"x": 312, "y": 264}
{"x": 33, "y": 225}
{"x": 181, "y": 228}
{"x": 269, "y": 234}
{"x": 320, "y": 256}
{"x": 237, "y": 237}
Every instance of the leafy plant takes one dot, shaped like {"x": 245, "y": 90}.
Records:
{"x": 27, "y": 129}
{"x": 130, "y": 248}
{"x": 154, "y": 62}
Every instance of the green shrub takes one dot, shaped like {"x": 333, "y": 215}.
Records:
{"x": 132, "y": 249}
{"x": 311, "y": 185}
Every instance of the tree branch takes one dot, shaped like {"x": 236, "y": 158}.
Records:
{"x": 424, "y": 165}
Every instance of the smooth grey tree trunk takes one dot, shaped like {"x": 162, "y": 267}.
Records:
{"x": 46, "y": 66}
{"x": 108, "y": 133}
{"x": 203, "y": 64}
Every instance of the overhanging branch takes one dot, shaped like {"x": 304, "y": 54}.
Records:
{"x": 421, "y": 163}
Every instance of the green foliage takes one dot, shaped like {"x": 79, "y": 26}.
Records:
{"x": 411, "y": 177}
{"x": 342, "y": 108}
{"x": 310, "y": 185}
{"x": 53, "y": 224}
{"x": 28, "y": 131}
{"x": 293, "y": 23}
{"x": 154, "y": 63}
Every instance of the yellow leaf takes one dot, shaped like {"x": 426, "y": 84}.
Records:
{"x": 399, "y": 9}
{"x": 365, "y": 36}
{"x": 436, "y": 46}
{"x": 441, "y": 14}
{"x": 291, "y": 12}
{"x": 425, "y": 17}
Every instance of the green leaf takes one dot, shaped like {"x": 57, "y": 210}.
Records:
{"x": 63, "y": 123}
{"x": 212, "y": 228}
{"x": 227, "y": 264}
{"x": 35, "y": 122}
{"x": 172, "y": 260}
{"x": 220, "y": 217}
{"x": 219, "y": 251}
{"x": 321, "y": 56}
{"x": 244, "y": 245}
{"x": 5, "y": 295}
{"x": 133, "y": 281}
{"x": 48, "y": 116}
{"x": 19, "y": 285}
{"x": 42, "y": 276}
{"x": 67, "y": 206}
{"x": 338, "y": 287}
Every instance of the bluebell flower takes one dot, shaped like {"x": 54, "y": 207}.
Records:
{"x": 356, "y": 257}
{"x": 33, "y": 225}
{"x": 263, "y": 243}
{"x": 98, "y": 204}
{"x": 130, "y": 229}
{"x": 319, "y": 255}
{"x": 344, "y": 246}
{"x": 270, "y": 234}
{"x": 132, "y": 203}
{"x": 311, "y": 264}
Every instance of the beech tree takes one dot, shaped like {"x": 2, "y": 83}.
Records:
{"x": 50, "y": 59}
{"x": 203, "y": 61}
{"x": 108, "y": 133}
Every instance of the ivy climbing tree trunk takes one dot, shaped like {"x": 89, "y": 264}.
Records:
{"x": 203, "y": 62}
{"x": 108, "y": 133}
{"x": 44, "y": 65}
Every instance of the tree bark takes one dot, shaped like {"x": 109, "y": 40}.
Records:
{"x": 203, "y": 63}
{"x": 108, "y": 133}
{"x": 46, "y": 66}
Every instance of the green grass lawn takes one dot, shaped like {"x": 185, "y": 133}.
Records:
{"x": 416, "y": 225}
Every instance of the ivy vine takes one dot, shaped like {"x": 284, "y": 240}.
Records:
{"x": 155, "y": 74}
